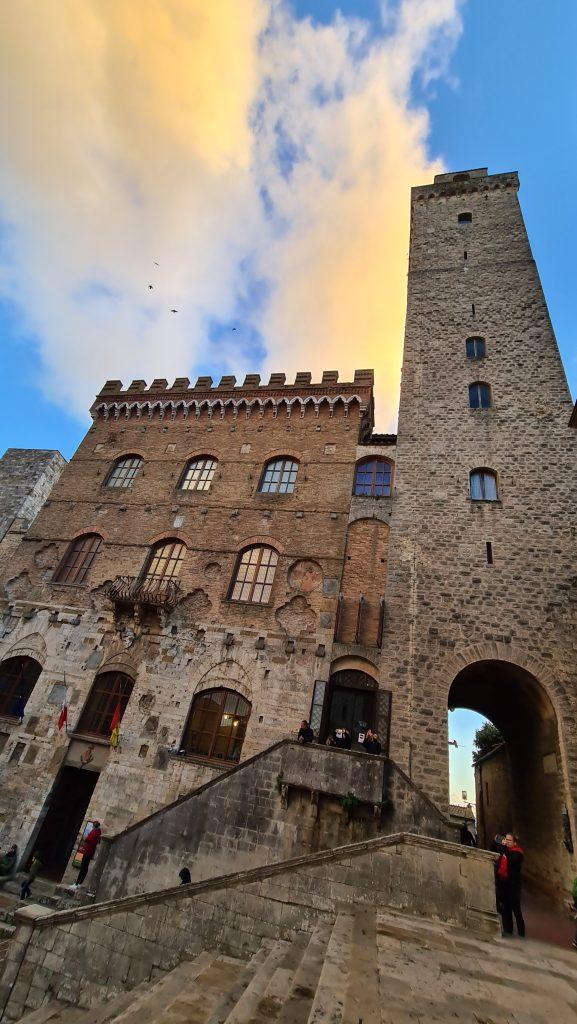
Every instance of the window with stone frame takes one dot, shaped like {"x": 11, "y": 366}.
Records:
{"x": 18, "y": 677}
{"x": 124, "y": 471}
{"x": 373, "y": 477}
{"x": 198, "y": 474}
{"x": 483, "y": 485}
{"x": 254, "y": 575}
{"x": 480, "y": 395}
{"x": 279, "y": 476}
{"x": 81, "y": 552}
{"x": 110, "y": 690}
{"x": 475, "y": 348}
{"x": 164, "y": 562}
{"x": 216, "y": 725}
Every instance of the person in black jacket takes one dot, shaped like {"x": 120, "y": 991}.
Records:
{"x": 508, "y": 882}
{"x": 306, "y": 735}
{"x": 371, "y": 742}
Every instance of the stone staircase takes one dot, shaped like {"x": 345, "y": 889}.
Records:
{"x": 358, "y": 966}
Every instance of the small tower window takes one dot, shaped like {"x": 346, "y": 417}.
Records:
{"x": 483, "y": 485}
{"x": 475, "y": 348}
{"x": 479, "y": 395}
{"x": 373, "y": 477}
{"x": 465, "y": 218}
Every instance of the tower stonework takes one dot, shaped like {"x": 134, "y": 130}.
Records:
{"x": 481, "y": 594}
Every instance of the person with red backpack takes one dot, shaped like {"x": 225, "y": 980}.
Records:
{"x": 508, "y": 883}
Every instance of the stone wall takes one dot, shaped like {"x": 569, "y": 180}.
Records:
{"x": 494, "y": 795}
{"x": 27, "y": 476}
{"x": 84, "y": 956}
{"x": 282, "y": 803}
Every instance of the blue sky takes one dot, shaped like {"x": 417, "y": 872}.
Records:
{"x": 506, "y": 100}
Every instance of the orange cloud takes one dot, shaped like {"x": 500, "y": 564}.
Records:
{"x": 144, "y": 132}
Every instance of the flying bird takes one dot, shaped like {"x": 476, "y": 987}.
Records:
{"x": 174, "y": 311}
{"x": 156, "y": 264}
{"x": 151, "y": 286}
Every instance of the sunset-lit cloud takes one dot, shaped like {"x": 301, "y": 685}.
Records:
{"x": 263, "y": 162}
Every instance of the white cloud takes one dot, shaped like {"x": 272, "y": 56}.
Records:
{"x": 143, "y": 132}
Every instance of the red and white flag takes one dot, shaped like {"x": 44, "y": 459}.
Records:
{"x": 63, "y": 716}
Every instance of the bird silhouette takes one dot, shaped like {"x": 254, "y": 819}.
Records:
{"x": 156, "y": 264}
{"x": 151, "y": 286}
{"x": 174, "y": 311}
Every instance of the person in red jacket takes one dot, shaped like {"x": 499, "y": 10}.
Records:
{"x": 508, "y": 884}
{"x": 89, "y": 845}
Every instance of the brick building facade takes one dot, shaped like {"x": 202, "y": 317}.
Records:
{"x": 217, "y": 563}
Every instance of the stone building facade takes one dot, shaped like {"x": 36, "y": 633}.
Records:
{"x": 217, "y": 563}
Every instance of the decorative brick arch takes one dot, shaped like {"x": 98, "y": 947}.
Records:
{"x": 30, "y": 646}
{"x": 228, "y": 675}
{"x": 171, "y": 535}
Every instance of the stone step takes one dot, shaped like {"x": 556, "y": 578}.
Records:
{"x": 236, "y": 991}
{"x": 280, "y": 982}
{"x": 297, "y": 1006}
{"x": 362, "y": 998}
{"x": 146, "y": 1008}
{"x": 328, "y": 1003}
{"x": 246, "y": 1006}
{"x": 196, "y": 1002}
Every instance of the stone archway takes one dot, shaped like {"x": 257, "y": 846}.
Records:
{"x": 526, "y": 777}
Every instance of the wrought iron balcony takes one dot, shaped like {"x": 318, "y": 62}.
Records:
{"x": 144, "y": 591}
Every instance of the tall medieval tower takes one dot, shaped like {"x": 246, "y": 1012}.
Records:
{"x": 481, "y": 591}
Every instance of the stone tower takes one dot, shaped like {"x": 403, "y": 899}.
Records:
{"x": 481, "y": 591}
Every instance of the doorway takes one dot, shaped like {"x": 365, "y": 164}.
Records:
{"x": 352, "y": 704}
{"x": 528, "y": 792}
{"x": 65, "y": 813}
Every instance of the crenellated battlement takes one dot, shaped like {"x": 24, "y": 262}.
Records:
{"x": 182, "y": 397}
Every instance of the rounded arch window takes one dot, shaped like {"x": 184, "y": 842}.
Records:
{"x": 279, "y": 476}
{"x": 109, "y": 695}
{"x": 373, "y": 477}
{"x": 124, "y": 471}
{"x": 18, "y": 677}
{"x": 483, "y": 485}
{"x": 198, "y": 474}
{"x": 254, "y": 574}
{"x": 81, "y": 552}
{"x": 164, "y": 561}
{"x": 479, "y": 395}
{"x": 217, "y": 724}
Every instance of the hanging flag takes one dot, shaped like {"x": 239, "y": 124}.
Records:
{"x": 63, "y": 716}
{"x": 115, "y": 724}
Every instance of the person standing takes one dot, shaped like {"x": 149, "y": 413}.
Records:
{"x": 371, "y": 742}
{"x": 306, "y": 735}
{"x": 508, "y": 884}
{"x": 25, "y": 890}
{"x": 89, "y": 845}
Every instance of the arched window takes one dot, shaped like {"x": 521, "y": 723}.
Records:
{"x": 483, "y": 485}
{"x": 80, "y": 555}
{"x": 110, "y": 690}
{"x": 279, "y": 476}
{"x": 373, "y": 476}
{"x": 475, "y": 348}
{"x": 164, "y": 561}
{"x": 217, "y": 725}
{"x": 198, "y": 474}
{"x": 465, "y": 218}
{"x": 254, "y": 575}
{"x": 124, "y": 471}
{"x": 479, "y": 395}
{"x": 18, "y": 677}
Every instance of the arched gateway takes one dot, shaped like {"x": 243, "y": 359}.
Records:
{"x": 520, "y": 785}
